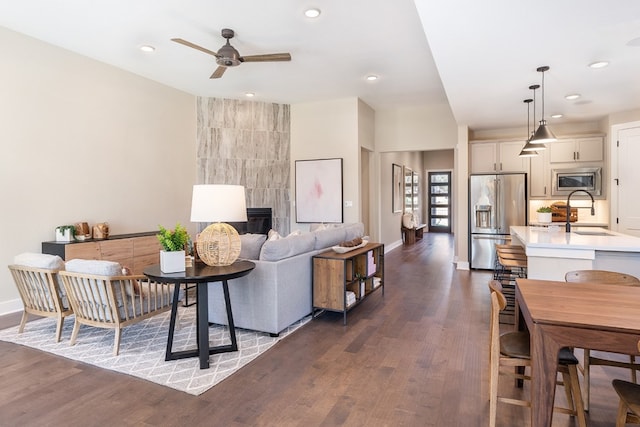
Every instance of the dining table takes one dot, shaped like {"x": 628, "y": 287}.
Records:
{"x": 581, "y": 315}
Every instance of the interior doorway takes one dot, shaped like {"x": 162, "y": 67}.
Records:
{"x": 625, "y": 206}
{"x": 439, "y": 196}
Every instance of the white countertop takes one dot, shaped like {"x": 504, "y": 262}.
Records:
{"x": 557, "y": 239}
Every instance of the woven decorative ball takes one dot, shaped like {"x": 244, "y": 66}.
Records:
{"x": 218, "y": 244}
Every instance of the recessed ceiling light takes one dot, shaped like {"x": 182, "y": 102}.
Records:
{"x": 249, "y": 94}
{"x": 372, "y": 77}
{"x": 599, "y": 64}
{"x": 147, "y": 48}
{"x": 556, "y": 116}
{"x": 312, "y": 13}
{"x": 572, "y": 96}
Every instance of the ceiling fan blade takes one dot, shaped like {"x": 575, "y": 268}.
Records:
{"x": 267, "y": 57}
{"x": 195, "y": 46}
{"x": 218, "y": 72}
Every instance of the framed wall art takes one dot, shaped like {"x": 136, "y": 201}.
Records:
{"x": 397, "y": 188}
{"x": 319, "y": 190}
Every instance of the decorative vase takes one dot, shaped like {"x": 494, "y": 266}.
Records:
{"x": 64, "y": 235}
{"x": 172, "y": 262}
{"x": 544, "y": 217}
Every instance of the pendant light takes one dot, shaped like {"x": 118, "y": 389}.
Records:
{"x": 543, "y": 134}
{"x": 539, "y": 147}
{"x": 529, "y": 149}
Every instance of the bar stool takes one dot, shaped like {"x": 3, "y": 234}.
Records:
{"x": 510, "y": 264}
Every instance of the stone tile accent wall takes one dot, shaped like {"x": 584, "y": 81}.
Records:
{"x": 247, "y": 143}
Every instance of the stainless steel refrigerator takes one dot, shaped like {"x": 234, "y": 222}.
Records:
{"x": 496, "y": 202}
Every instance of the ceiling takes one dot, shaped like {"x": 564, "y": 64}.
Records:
{"x": 480, "y": 57}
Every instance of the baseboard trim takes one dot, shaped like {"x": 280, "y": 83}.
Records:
{"x": 11, "y": 306}
{"x": 388, "y": 248}
{"x": 462, "y": 265}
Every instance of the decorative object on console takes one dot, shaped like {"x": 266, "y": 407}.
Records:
{"x": 319, "y": 190}
{"x": 173, "y": 242}
{"x": 219, "y": 244}
{"x": 544, "y": 214}
{"x": 65, "y": 233}
{"x": 101, "y": 231}
{"x": 83, "y": 231}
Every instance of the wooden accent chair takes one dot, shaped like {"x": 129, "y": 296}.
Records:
{"x": 605, "y": 278}
{"x": 511, "y": 349}
{"x": 36, "y": 277}
{"x": 102, "y": 297}
{"x": 629, "y": 406}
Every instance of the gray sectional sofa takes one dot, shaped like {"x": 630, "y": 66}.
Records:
{"x": 278, "y": 291}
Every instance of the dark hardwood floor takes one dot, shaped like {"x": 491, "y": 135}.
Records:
{"x": 415, "y": 357}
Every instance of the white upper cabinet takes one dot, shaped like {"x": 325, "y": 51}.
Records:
{"x": 576, "y": 150}
{"x": 497, "y": 157}
{"x": 540, "y": 176}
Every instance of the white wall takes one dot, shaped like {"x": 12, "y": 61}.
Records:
{"x": 323, "y": 130}
{"x": 84, "y": 141}
{"x": 430, "y": 127}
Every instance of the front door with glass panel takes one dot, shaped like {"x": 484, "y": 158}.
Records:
{"x": 440, "y": 202}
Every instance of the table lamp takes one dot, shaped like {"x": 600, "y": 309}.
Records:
{"x": 219, "y": 243}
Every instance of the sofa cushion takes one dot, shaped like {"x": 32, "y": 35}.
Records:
{"x": 251, "y": 245}
{"x": 289, "y": 246}
{"x": 329, "y": 237}
{"x": 354, "y": 230}
{"x": 36, "y": 260}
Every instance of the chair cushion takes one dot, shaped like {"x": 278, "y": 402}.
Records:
{"x": 91, "y": 266}
{"x": 566, "y": 357}
{"x": 36, "y": 260}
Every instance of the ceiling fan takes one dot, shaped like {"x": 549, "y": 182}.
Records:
{"x": 228, "y": 56}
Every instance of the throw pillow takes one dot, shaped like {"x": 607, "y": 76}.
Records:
{"x": 273, "y": 235}
{"x": 407, "y": 221}
{"x": 317, "y": 227}
{"x": 295, "y": 233}
{"x": 251, "y": 245}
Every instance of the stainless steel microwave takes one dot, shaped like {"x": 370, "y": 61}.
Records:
{"x": 567, "y": 180}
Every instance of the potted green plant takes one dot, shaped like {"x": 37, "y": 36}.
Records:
{"x": 173, "y": 242}
{"x": 544, "y": 214}
{"x": 65, "y": 233}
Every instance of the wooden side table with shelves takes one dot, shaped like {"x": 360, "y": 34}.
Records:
{"x": 360, "y": 272}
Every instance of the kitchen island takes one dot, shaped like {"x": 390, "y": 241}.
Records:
{"x": 551, "y": 252}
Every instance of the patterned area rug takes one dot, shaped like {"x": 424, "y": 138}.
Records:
{"x": 143, "y": 346}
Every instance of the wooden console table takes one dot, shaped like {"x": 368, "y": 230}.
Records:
{"x": 360, "y": 271}
{"x": 136, "y": 250}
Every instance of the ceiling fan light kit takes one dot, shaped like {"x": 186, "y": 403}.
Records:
{"x": 228, "y": 56}
{"x": 543, "y": 134}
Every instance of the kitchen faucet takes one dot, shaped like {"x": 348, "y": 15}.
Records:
{"x": 593, "y": 211}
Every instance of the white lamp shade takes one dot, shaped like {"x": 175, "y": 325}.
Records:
{"x": 218, "y": 203}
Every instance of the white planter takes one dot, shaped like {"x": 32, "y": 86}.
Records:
{"x": 172, "y": 262}
{"x": 544, "y": 217}
{"x": 65, "y": 236}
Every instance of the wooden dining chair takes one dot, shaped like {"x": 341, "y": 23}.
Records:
{"x": 605, "y": 278}
{"x": 629, "y": 406}
{"x": 511, "y": 349}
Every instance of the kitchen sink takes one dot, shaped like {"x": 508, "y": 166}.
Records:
{"x": 593, "y": 233}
